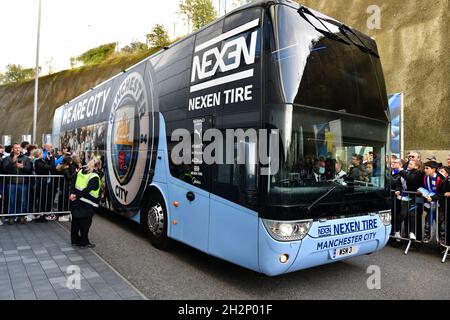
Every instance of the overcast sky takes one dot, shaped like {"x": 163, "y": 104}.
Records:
{"x": 70, "y": 27}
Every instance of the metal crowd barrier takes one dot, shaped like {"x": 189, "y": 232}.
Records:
{"x": 23, "y": 195}
{"x": 411, "y": 213}
{"x": 444, "y": 209}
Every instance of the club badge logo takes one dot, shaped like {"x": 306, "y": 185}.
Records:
{"x": 127, "y": 140}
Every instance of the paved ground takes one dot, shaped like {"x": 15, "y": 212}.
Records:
{"x": 185, "y": 273}
{"x": 34, "y": 261}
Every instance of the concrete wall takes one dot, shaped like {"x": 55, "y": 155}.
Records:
{"x": 441, "y": 155}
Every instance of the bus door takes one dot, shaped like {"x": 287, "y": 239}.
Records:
{"x": 191, "y": 190}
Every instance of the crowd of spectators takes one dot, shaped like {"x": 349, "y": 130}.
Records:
{"x": 420, "y": 187}
{"x": 29, "y": 185}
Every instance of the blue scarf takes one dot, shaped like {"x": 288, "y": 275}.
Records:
{"x": 431, "y": 187}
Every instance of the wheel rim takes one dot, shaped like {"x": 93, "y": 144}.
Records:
{"x": 155, "y": 219}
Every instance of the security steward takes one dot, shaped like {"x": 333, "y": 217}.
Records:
{"x": 84, "y": 200}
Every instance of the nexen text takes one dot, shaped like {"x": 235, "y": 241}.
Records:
{"x": 355, "y": 226}
{"x": 348, "y": 227}
{"x": 229, "y": 58}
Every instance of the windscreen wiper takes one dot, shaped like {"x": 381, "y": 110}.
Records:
{"x": 351, "y": 181}
{"x": 342, "y": 27}
{"x": 303, "y": 11}
{"x": 363, "y": 47}
{"x": 320, "y": 199}
{"x": 339, "y": 186}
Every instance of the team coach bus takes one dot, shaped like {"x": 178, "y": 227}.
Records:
{"x": 313, "y": 83}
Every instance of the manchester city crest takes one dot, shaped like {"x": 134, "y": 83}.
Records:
{"x": 125, "y": 129}
{"x": 129, "y": 140}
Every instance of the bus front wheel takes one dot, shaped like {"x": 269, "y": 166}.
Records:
{"x": 155, "y": 223}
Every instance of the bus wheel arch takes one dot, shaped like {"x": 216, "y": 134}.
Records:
{"x": 154, "y": 218}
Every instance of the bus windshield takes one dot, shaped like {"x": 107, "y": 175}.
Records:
{"x": 308, "y": 68}
{"x": 321, "y": 149}
{"x": 327, "y": 99}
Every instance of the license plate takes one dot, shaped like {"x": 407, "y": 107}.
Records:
{"x": 343, "y": 252}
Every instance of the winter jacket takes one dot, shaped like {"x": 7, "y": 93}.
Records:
{"x": 414, "y": 180}
{"x": 442, "y": 189}
{"x": 9, "y": 168}
{"x": 44, "y": 167}
{"x": 79, "y": 208}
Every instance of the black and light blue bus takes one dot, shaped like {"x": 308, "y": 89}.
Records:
{"x": 269, "y": 65}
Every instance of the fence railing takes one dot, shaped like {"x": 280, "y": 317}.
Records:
{"x": 444, "y": 211}
{"x": 22, "y": 195}
{"x": 414, "y": 219}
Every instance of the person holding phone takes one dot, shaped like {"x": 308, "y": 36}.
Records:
{"x": 17, "y": 164}
{"x": 49, "y": 158}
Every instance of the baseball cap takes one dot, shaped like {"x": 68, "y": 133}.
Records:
{"x": 431, "y": 164}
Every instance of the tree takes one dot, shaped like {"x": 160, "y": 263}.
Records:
{"x": 98, "y": 54}
{"x": 135, "y": 46}
{"x": 16, "y": 73}
{"x": 159, "y": 37}
{"x": 197, "y": 12}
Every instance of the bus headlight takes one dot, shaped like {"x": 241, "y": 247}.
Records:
{"x": 287, "y": 230}
{"x": 386, "y": 217}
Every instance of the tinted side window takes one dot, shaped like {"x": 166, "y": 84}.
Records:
{"x": 240, "y": 18}
{"x": 238, "y": 182}
{"x": 172, "y": 69}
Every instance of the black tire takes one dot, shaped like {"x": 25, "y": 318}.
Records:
{"x": 154, "y": 221}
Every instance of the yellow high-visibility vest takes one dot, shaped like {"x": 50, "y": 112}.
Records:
{"x": 82, "y": 183}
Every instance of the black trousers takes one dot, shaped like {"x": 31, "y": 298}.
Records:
{"x": 398, "y": 216}
{"x": 80, "y": 230}
{"x": 441, "y": 222}
{"x": 44, "y": 196}
{"x": 415, "y": 211}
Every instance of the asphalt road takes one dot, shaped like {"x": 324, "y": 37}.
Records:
{"x": 185, "y": 273}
